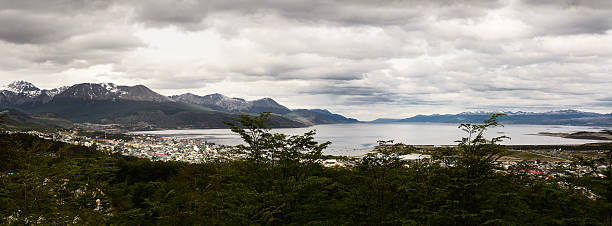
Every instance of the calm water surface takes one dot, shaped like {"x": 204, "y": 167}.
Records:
{"x": 358, "y": 138}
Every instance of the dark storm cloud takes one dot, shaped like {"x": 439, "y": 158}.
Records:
{"x": 63, "y": 31}
{"x": 570, "y": 3}
{"x": 391, "y": 100}
{"x": 598, "y": 23}
{"x": 189, "y": 14}
{"x": 23, "y": 28}
{"x": 96, "y": 48}
{"x": 41, "y": 22}
{"x": 364, "y": 95}
{"x": 489, "y": 88}
{"x": 355, "y": 95}
{"x": 562, "y": 17}
{"x": 605, "y": 102}
{"x": 347, "y": 91}
{"x": 70, "y": 7}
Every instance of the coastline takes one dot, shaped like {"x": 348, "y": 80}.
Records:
{"x": 604, "y": 135}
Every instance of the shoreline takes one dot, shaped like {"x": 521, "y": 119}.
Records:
{"x": 604, "y": 135}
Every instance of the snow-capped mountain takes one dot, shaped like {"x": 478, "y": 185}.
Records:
{"x": 223, "y": 103}
{"x": 55, "y": 91}
{"x": 91, "y": 91}
{"x": 238, "y": 105}
{"x": 22, "y": 87}
{"x": 110, "y": 91}
{"x": 559, "y": 117}
{"x": 22, "y": 93}
{"x": 138, "y": 105}
{"x": 516, "y": 113}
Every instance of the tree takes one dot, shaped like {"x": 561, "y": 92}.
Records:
{"x": 282, "y": 165}
{"x": 255, "y": 131}
{"x": 476, "y": 153}
{"x": 596, "y": 179}
{"x": 277, "y": 148}
{"x": 380, "y": 175}
{"x": 471, "y": 166}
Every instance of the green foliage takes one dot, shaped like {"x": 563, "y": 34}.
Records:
{"x": 276, "y": 148}
{"x": 2, "y": 117}
{"x": 15, "y": 120}
{"x": 281, "y": 183}
{"x": 45, "y": 182}
{"x": 598, "y": 181}
{"x": 476, "y": 153}
{"x": 128, "y": 113}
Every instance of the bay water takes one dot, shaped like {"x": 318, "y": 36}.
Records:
{"x": 357, "y": 138}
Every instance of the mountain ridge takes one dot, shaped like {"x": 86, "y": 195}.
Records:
{"x": 139, "y": 105}
{"x": 231, "y": 104}
{"x": 557, "y": 117}
{"x": 221, "y": 102}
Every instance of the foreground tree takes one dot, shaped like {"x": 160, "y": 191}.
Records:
{"x": 471, "y": 166}
{"x": 276, "y": 148}
{"x": 282, "y": 166}
{"x": 380, "y": 175}
{"x": 477, "y": 154}
{"x": 597, "y": 181}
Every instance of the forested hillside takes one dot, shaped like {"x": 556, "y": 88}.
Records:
{"x": 280, "y": 181}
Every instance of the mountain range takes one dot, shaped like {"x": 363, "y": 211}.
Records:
{"x": 139, "y": 107}
{"x": 561, "y": 117}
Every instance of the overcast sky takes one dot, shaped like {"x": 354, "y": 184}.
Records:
{"x": 361, "y": 58}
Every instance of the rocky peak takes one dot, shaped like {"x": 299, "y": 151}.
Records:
{"x": 110, "y": 91}
{"x": 217, "y": 97}
{"x": 268, "y": 104}
{"x": 55, "y": 91}
{"x": 21, "y": 93}
{"x": 138, "y": 93}
{"x": 23, "y": 88}
{"x": 224, "y": 103}
{"x": 87, "y": 91}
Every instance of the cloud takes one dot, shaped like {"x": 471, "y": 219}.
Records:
{"x": 406, "y": 57}
{"x": 189, "y": 13}
{"x": 62, "y": 34}
{"x": 18, "y": 28}
{"x": 604, "y": 102}
{"x": 56, "y": 7}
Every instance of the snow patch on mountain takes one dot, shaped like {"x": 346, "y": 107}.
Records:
{"x": 55, "y": 91}
{"x": 225, "y": 103}
{"x": 114, "y": 89}
{"x": 557, "y": 112}
{"x": 24, "y": 88}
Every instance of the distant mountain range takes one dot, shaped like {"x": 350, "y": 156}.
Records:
{"x": 562, "y": 117}
{"x": 138, "y": 107}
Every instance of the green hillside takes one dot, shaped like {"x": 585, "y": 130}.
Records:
{"x": 159, "y": 115}
{"x": 18, "y": 120}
